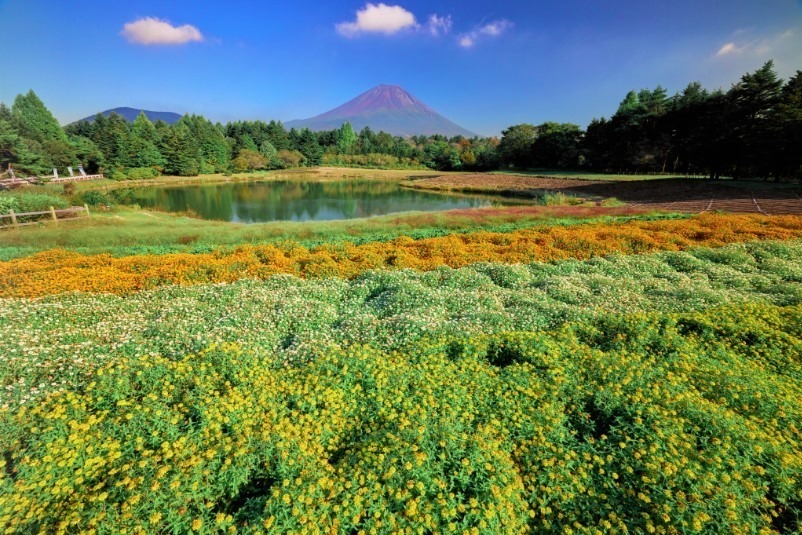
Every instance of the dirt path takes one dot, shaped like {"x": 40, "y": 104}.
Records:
{"x": 675, "y": 195}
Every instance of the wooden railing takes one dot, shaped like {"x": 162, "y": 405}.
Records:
{"x": 13, "y": 182}
{"x": 35, "y": 180}
{"x": 76, "y": 178}
{"x": 75, "y": 212}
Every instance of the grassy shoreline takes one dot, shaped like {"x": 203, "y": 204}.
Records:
{"x": 124, "y": 231}
{"x": 319, "y": 174}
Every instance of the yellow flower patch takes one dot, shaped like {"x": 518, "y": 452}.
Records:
{"x": 660, "y": 423}
{"x": 58, "y": 271}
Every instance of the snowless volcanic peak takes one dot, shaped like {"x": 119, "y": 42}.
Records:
{"x": 389, "y": 108}
{"x": 381, "y": 97}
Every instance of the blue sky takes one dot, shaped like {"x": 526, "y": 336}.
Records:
{"x": 485, "y": 65}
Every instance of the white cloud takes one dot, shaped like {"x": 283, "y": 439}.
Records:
{"x": 751, "y": 46}
{"x": 378, "y": 18}
{"x": 491, "y": 29}
{"x": 438, "y": 25}
{"x": 727, "y": 49}
{"x": 388, "y": 20}
{"x": 466, "y": 41}
{"x": 495, "y": 28}
{"x": 153, "y": 31}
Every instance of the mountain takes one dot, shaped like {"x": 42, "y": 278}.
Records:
{"x": 389, "y": 108}
{"x": 129, "y": 114}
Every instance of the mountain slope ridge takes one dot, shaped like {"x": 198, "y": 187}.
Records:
{"x": 390, "y": 108}
{"x": 129, "y": 114}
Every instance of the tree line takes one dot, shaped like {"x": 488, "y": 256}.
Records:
{"x": 32, "y": 140}
{"x": 753, "y": 130}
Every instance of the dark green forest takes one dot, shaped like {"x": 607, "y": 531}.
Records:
{"x": 753, "y": 130}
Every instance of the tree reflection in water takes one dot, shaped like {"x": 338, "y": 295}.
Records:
{"x": 255, "y": 202}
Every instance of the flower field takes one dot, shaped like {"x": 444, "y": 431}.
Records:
{"x": 625, "y": 377}
{"x": 657, "y": 423}
{"x": 289, "y": 320}
{"x": 62, "y": 271}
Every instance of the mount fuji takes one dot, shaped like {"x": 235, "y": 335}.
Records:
{"x": 389, "y": 108}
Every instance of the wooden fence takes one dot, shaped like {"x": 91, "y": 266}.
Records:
{"x": 56, "y": 216}
{"x": 76, "y": 178}
{"x": 35, "y": 180}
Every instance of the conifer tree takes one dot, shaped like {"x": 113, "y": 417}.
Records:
{"x": 34, "y": 121}
{"x": 346, "y": 139}
{"x": 180, "y": 151}
{"x": 14, "y": 151}
{"x": 143, "y": 150}
{"x": 310, "y": 148}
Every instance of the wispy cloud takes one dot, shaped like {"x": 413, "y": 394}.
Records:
{"x": 153, "y": 31}
{"x": 727, "y": 50}
{"x": 378, "y": 18}
{"x": 495, "y": 28}
{"x": 491, "y": 29}
{"x": 746, "y": 44}
{"x": 438, "y": 25}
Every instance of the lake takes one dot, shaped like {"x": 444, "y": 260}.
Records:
{"x": 256, "y": 202}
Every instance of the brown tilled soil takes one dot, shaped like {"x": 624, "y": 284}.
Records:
{"x": 676, "y": 195}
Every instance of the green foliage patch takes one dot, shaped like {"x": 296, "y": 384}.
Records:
{"x": 289, "y": 321}
{"x": 30, "y": 202}
{"x": 661, "y": 423}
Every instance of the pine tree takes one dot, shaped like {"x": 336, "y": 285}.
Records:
{"x": 211, "y": 143}
{"x": 180, "y": 151}
{"x": 753, "y": 135}
{"x": 310, "y": 148}
{"x": 789, "y": 122}
{"x": 143, "y": 150}
{"x": 112, "y": 135}
{"x": 144, "y": 129}
{"x": 34, "y": 121}
{"x": 87, "y": 154}
{"x": 278, "y": 136}
{"x": 346, "y": 139}
{"x": 14, "y": 151}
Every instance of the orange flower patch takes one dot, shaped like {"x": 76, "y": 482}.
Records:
{"x": 60, "y": 271}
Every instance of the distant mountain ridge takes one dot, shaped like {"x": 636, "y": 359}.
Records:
{"x": 129, "y": 114}
{"x": 389, "y": 108}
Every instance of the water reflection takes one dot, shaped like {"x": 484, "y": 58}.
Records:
{"x": 254, "y": 202}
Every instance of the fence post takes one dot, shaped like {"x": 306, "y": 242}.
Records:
{"x": 86, "y": 207}
{"x": 53, "y": 213}
{"x": 13, "y": 218}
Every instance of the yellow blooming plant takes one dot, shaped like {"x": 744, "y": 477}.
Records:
{"x": 52, "y": 343}
{"x": 648, "y": 422}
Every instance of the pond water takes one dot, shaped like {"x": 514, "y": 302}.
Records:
{"x": 255, "y": 202}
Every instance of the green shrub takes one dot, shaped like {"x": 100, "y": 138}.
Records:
{"x": 380, "y": 161}
{"x": 37, "y": 202}
{"x": 95, "y": 198}
{"x": 8, "y": 202}
{"x": 139, "y": 173}
{"x": 560, "y": 199}
{"x": 613, "y": 202}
